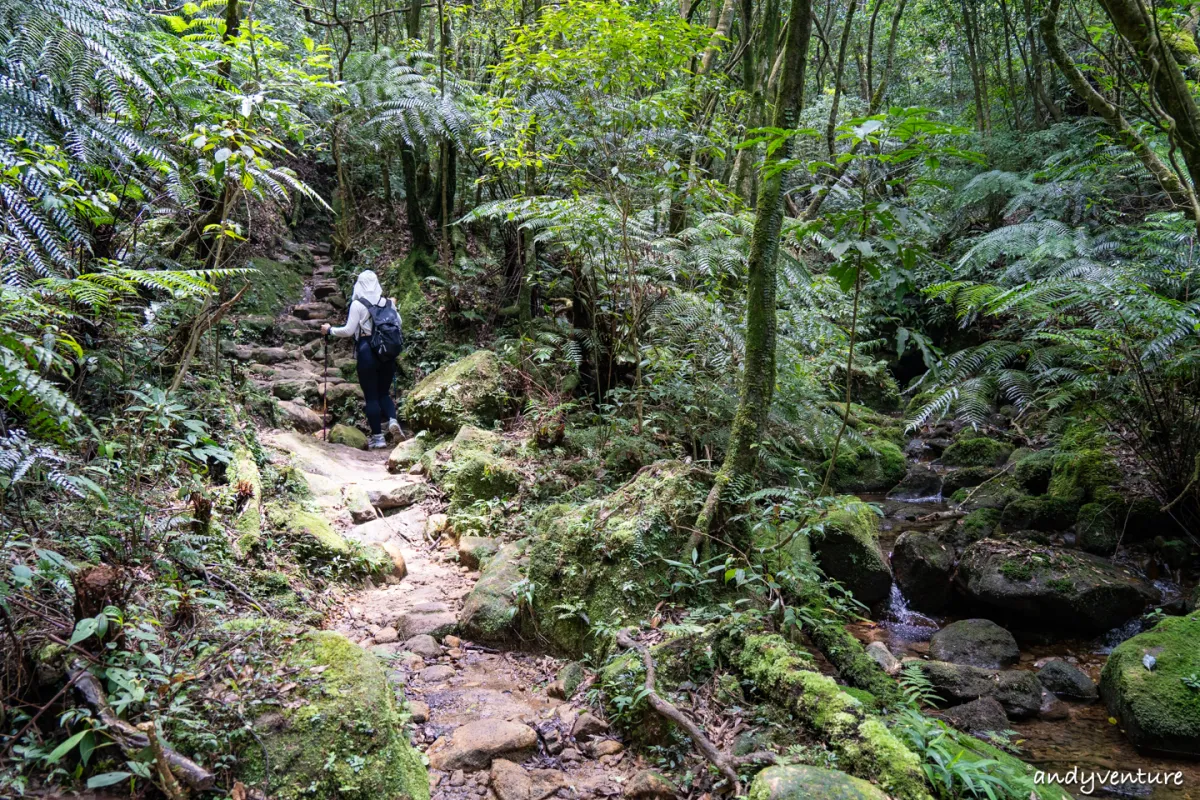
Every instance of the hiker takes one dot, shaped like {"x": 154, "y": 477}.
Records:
{"x": 374, "y": 323}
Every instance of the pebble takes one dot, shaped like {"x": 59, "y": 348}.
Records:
{"x": 459, "y": 778}
{"x": 386, "y": 635}
{"x": 452, "y": 641}
{"x": 606, "y": 747}
{"x": 571, "y": 754}
{"x": 438, "y": 672}
{"x": 418, "y": 711}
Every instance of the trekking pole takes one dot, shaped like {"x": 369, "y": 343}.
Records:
{"x": 325, "y": 394}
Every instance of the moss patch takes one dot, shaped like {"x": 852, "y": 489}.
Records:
{"x": 978, "y": 451}
{"x": 345, "y": 738}
{"x": 469, "y": 391}
{"x": 272, "y": 286}
{"x": 868, "y": 469}
{"x": 847, "y": 548}
{"x": 1158, "y": 708}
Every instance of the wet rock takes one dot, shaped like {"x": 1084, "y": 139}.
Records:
{"x": 424, "y": 645}
{"x": 883, "y": 657}
{"x": 1048, "y": 587}
{"x": 966, "y": 478}
{"x": 476, "y": 744}
{"x": 1067, "y": 681}
{"x": 978, "y": 716}
{"x": 467, "y": 392}
{"x": 405, "y": 454}
{"x": 418, "y": 711}
{"x": 802, "y": 782}
{"x": 1097, "y": 529}
{"x": 959, "y": 683}
{"x": 358, "y": 503}
{"x": 351, "y": 437}
{"x": 431, "y": 618}
{"x": 1019, "y": 692}
{"x": 923, "y": 566}
{"x": 587, "y": 726}
{"x": 1046, "y": 513}
{"x": 298, "y": 417}
{"x": 977, "y": 642}
{"x": 473, "y": 551}
{"x": 919, "y": 483}
{"x": 873, "y": 468}
{"x": 1158, "y": 708}
{"x": 1033, "y": 471}
{"x": 1052, "y": 708}
{"x": 848, "y": 550}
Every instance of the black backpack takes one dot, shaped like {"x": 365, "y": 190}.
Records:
{"x": 386, "y": 338}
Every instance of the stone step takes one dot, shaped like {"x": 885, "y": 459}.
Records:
{"x": 314, "y": 311}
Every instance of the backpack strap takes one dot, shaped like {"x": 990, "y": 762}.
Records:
{"x": 370, "y": 311}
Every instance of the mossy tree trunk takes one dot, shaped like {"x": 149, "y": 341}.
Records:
{"x": 758, "y": 373}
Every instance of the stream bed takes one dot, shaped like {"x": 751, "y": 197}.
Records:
{"x": 1086, "y": 738}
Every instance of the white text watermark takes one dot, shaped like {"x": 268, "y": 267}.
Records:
{"x": 1088, "y": 782}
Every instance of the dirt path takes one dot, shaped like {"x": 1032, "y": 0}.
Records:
{"x": 484, "y": 718}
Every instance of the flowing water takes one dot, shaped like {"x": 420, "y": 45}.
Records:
{"x": 1086, "y": 739}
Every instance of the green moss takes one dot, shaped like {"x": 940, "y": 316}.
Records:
{"x": 476, "y": 476}
{"x": 602, "y": 562}
{"x": 1158, "y": 709}
{"x": 1076, "y": 476}
{"x": 1096, "y": 529}
{"x": 868, "y": 469}
{"x": 980, "y": 523}
{"x": 677, "y": 659}
{"x": 468, "y": 391}
{"x": 976, "y": 452}
{"x": 243, "y": 475}
{"x": 803, "y": 782}
{"x": 343, "y": 736}
{"x": 1033, "y": 471}
{"x": 314, "y": 538}
{"x": 491, "y": 611}
{"x": 847, "y": 546}
{"x": 348, "y": 436}
{"x": 966, "y": 478}
{"x": 863, "y": 744}
{"x": 1045, "y": 513}
{"x": 1017, "y": 570}
{"x": 403, "y": 281}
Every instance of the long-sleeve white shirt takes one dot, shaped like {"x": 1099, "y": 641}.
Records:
{"x": 358, "y": 321}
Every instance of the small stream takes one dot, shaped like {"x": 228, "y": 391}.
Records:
{"x": 1085, "y": 738}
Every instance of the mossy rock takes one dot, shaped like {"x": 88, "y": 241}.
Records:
{"x": 491, "y": 611}
{"x": 313, "y": 537}
{"x": 802, "y": 782}
{"x": 995, "y": 493}
{"x": 1097, "y": 529}
{"x": 342, "y": 736}
{"x": 1158, "y": 708}
{"x": 469, "y": 391}
{"x": 348, "y": 436}
{"x": 966, "y": 478}
{"x": 1077, "y": 476}
{"x": 602, "y": 562}
{"x": 244, "y": 477}
{"x": 923, "y": 565}
{"x": 1033, "y": 471}
{"x": 978, "y": 451}
{"x": 868, "y": 469}
{"x": 625, "y": 455}
{"x": 1049, "y": 587}
{"x": 847, "y": 548}
{"x": 980, "y": 524}
{"x": 474, "y": 476}
{"x": 676, "y": 660}
{"x": 1046, "y": 513}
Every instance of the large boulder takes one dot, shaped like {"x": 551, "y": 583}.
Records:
{"x": 923, "y": 566}
{"x": 1067, "y": 681}
{"x": 977, "y": 451}
{"x": 977, "y": 642}
{"x": 490, "y": 611}
{"x": 1018, "y": 691}
{"x": 474, "y": 745}
{"x": 340, "y": 734}
{"x": 469, "y": 391}
{"x": 405, "y": 454}
{"x": 1151, "y": 684}
{"x": 920, "y": 483}
{"x": 847, "y": 547}
{"x": 802, "y": 782}
{"x": 599, "y": 564}
{"x": 874, "y": 468}
{"x": 981, "y": 716}
{"x": 1048, "y": 587}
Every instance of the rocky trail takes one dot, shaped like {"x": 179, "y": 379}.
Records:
{"x": 506, "y": 725}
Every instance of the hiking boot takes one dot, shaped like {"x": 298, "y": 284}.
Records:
{"x": 376, "y": 442}
{"x": 394, "y": 427}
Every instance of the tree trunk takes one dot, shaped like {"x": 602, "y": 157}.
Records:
{"x": 1176, "y": 105}
{"x": 758, "y": 372}
{"x": 1178, "y": 191}
{"x": 412, "y": 201}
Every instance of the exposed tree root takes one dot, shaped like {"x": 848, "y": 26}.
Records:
{"x": 129, "y": 738}
{"x": 667, "y": 710}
